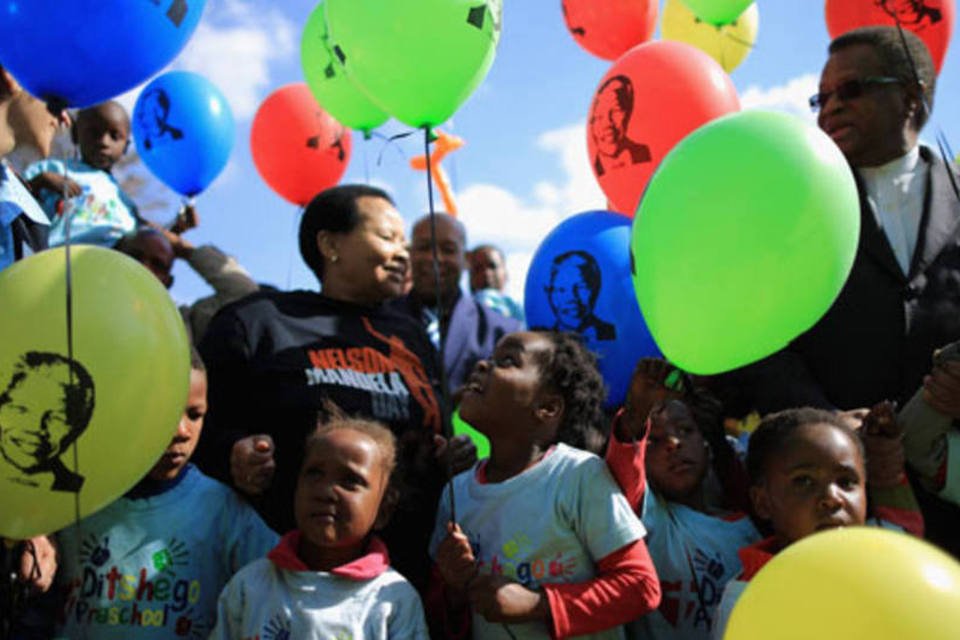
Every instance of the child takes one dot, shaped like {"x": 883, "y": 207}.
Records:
{"x": 330, "y": 577}
{"x": 102, "y": 212}
{"x": 544, "y": 542}
{"x": 693, "y": 545}
{"x": 151, "y": 564}
{"x": 808, "y": 473}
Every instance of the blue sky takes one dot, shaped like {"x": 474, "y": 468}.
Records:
{"x": 525, "y": 165}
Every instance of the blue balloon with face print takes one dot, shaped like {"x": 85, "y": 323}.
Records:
{"x": 184, "y": 130}
{"x": 580, "y": 281}
{"x": 82, "y": 52}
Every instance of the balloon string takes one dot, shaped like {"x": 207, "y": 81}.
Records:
{"x": 389, "y": 143}
{"x": 366, "y": 159}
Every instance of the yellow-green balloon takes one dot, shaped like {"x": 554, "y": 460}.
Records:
{"x": 118, "y": 401}
{"x": 743, "y": 239}
{"x": 718, "y": 12}
{"x": 416, "y": 59}
{"x": 861, "y": 583}
{"x": 328, "y": 81}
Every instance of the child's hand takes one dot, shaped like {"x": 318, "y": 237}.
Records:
{"x": 455, "y": 559}
{"x": 456, "y": 454}
{"x": 652, "y": 384}
{"x": 941, "y": 389}
{"x": 884, "y": 446}
{"x": 57, "y": 183}
{"x": 499, "y": 599}
{"x": 187, "y": 219}
{"x": 252, "y": 464}
{"x": 38, "y": 563}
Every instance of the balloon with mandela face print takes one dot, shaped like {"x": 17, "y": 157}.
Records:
{"x": 609, "y": 119}
{"x": 579, "y": 281}
{"x": 45, "y": 406}
{"x": 912, "y": 12}
{"x": 152, "y": 119}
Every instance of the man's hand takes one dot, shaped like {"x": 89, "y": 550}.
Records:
{"x": 56, "y": 182}
{"x": 455, "y": 560}
{"x": 252, "y": 464}
{"x": 38, "y": 563}
{"x": 498, "y": 599}
{"x": 941, "y": 389}
{"x": 456, "y": 454}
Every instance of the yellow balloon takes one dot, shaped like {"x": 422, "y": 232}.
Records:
{"x": 81, "y": 432}
{"x": 861, "y": 583}
{"x": 728, "y": 44}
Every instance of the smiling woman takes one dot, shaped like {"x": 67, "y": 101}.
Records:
{"x": 274, "y": 358}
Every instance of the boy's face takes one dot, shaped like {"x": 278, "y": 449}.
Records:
{"x": 181, "y": 447}
{"x": 339, "y": 491}
{"x": 816, "y": 483}
{"x": 508, "y": 387}
{"x": 676, "y": 458}
{"x": 102, "y": 133}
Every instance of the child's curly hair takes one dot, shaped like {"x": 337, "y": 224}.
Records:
{"x": 571, "y": 370}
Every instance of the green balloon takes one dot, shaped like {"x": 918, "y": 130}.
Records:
{"x": 115, "y": 404}
{"x": 328, "y": 81}
{"x": 479, "y": 440}
{"x": 718, "y": 12}
{"x": 743, "y": 239}
{"x": 417, "y": 59}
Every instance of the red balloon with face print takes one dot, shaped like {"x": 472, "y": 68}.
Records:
{"x": 298, "y": 148}
{"x": 610, "y": 28}
{"x": 931, "y": 20}
{"x": 650, "y": 99}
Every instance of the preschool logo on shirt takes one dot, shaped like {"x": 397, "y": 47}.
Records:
{"x": 693, "y": 604}
{"x": 125, "y": 592}
{"x": 510, "y": 560}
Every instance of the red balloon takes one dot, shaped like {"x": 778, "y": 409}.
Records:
{"x": 649, "y": 100}
{"x": 298, "y": 148}
{"x": 610, "y": 28}
{"x": 931, "y": 20}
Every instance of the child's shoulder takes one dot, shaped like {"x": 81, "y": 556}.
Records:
{"x": 570, "y": 457}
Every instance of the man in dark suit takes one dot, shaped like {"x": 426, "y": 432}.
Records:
{"x": 470, "y": 330}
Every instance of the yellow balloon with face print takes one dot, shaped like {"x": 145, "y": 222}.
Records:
{"x": 728, "y": 44}
{"x": 77, "y": 432}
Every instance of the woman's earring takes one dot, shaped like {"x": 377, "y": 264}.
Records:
{"x": 334, "y": 258}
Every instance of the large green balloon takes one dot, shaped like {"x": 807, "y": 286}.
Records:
{"x": 743, "y": 239}
{"x": 718, "y": 12}
{"x": 417, "y": 59}
{"x": 329, "y": 82}
{"x": 119, "y": 399}
{"x": 480, "y": 441}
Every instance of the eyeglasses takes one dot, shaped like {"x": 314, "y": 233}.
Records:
{"x": 850, "y": 90}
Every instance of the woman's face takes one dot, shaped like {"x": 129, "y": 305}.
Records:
{"x": 372, "y": 260}
{"x": 33, "y": 125}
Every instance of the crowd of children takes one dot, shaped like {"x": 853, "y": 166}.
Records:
{"x": 540, "y": 539}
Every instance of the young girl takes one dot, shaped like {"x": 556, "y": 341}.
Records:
{"x": 330, "y": 577}
{"x": 808, "y": 473}
{"x": 660, "y": 437}
{"x": 544, "y": 544}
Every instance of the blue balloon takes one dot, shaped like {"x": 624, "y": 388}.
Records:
{"x": 81, "y": 52}
{"x": 580, "y": 280}
{"x": 183, "y": 128}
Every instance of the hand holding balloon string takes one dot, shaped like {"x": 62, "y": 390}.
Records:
{"x": 252, "y": 463}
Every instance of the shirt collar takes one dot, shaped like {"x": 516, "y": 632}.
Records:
{"x": 907, "y": 163}
{"x": 366, "y": 567}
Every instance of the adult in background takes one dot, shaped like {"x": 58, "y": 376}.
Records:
{"x": 470, "y": 330}
{"x": 275, "y": 359}
{"x": 902, "y": 299}
{"x": 488, "y": 278}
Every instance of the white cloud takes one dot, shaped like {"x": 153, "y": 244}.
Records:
{"x": 791, "y": 97}
{"x": 518, "y": 224}
{"x": 234, "y": 46}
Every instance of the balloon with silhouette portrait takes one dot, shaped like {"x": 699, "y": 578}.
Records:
{"x": 183, "y": 128}
{"x": 858, "y": 582}
{"x": 298, "y": 148}
{"x": 931, "y": 20}
{"x": 728, "y": 44}
{"x": 86, "y": 428}
{"x": 718, "y": 12}
{"x": 418, "y": 60}
{"x": 328, "y": 80}
{"x": 80, "y": 53}
{"x": 648, "y": 100}
{"x": 576, "y": 282}
{"x": 743, "y": 239}
{"x": 609, "y": 29}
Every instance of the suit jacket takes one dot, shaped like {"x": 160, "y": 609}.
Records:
{"x": 876, "y": 341}
{"x": 470, "y": 335}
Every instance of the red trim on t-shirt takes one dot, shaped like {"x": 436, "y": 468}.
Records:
{"x": 755, "y": 556}
{"x": 625, "y": 587}
{"x": 375, "y": 561}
